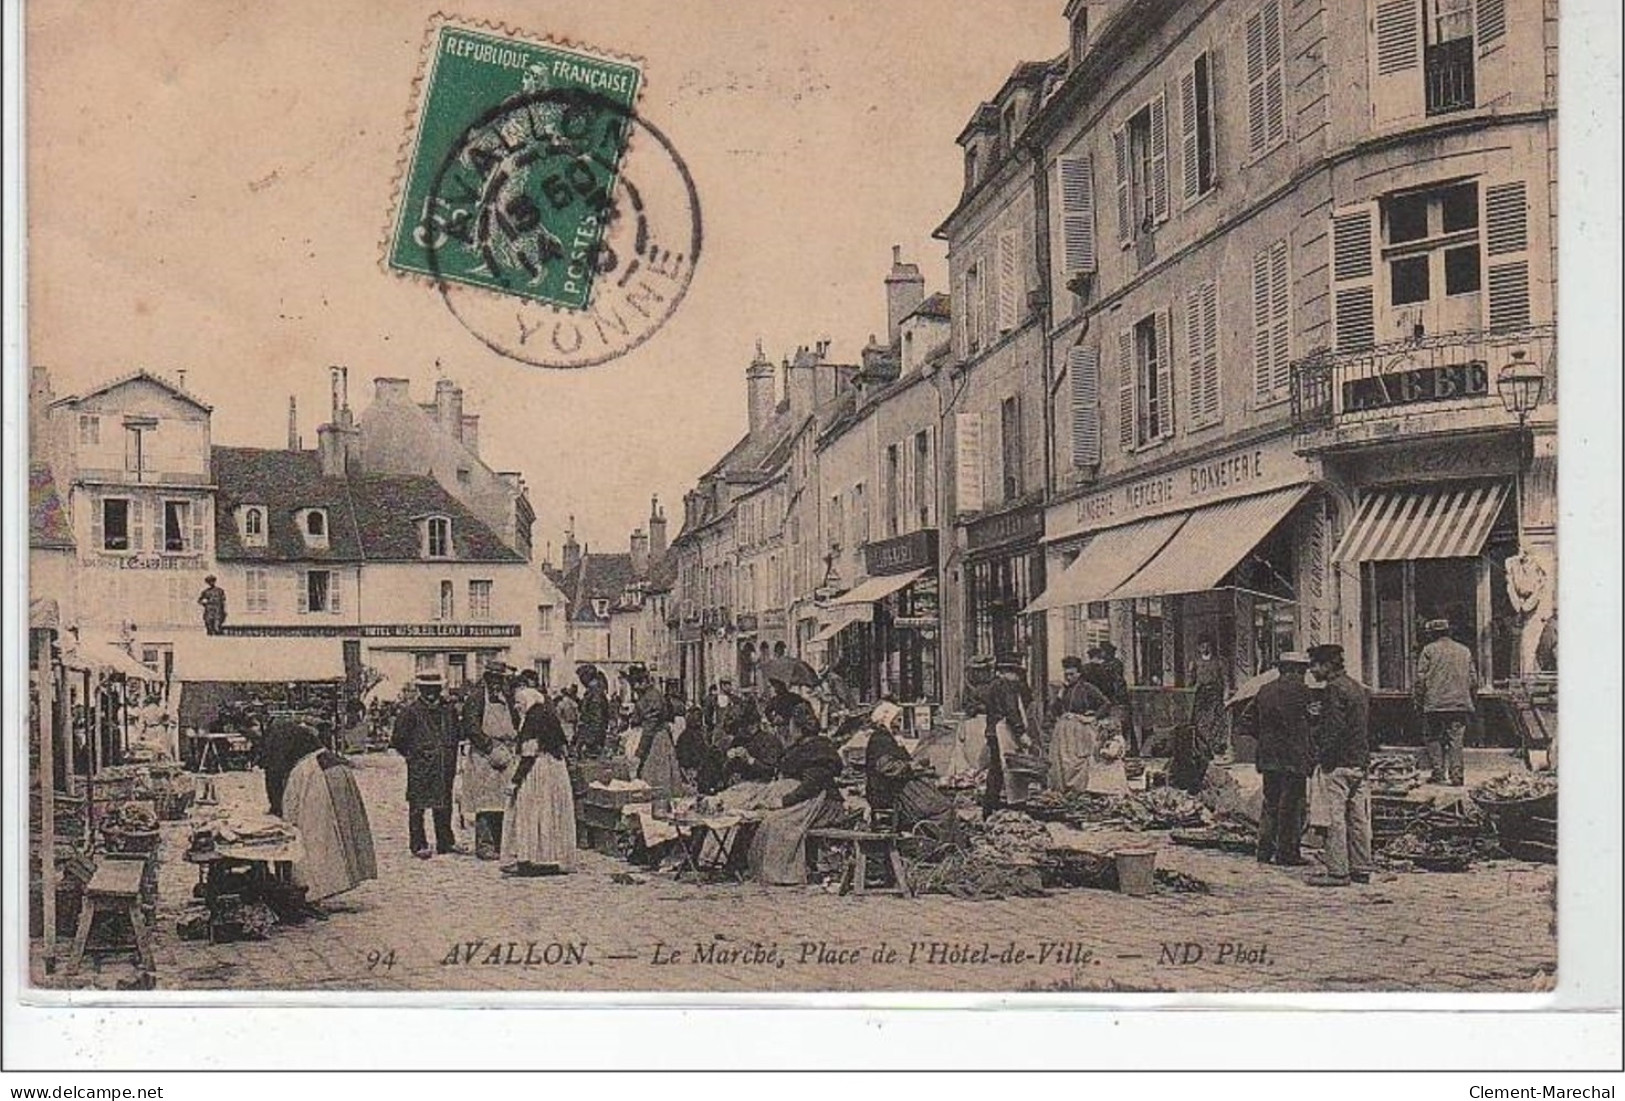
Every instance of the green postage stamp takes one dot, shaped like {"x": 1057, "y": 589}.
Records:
{"x": 513, "y": 166}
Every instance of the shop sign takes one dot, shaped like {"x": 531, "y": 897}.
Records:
{"x": 747, "y": 623}
{"x": 915, "y": 622}
{"x": 1424, "y": 384}
{"x": 915, "y": 551}
{"x": 1240, "y": 473}
{"x": 1022, "y": 526}
{"x": 190, "y": 563}
{"x": 773, "y": 620}
{"x": 1435, "y": 459}
{"x": 384, "y": 630}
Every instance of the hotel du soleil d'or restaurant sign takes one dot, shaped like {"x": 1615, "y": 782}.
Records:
{"x": 1238, "y": 473}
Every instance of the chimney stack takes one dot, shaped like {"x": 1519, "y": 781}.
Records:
{"x": 333, "y": 387}
{"x": 448, "y": 404}
{"x": 180, "y": 378}
{"x": 471, "y": 433}
{"x": 293, "y": 423}
{"x": 572, "y": 549}
{"x": 800, "y": 381}
{"x": 759, "y": 391}
{"x": 905, "y": 290}
{"x": 640, "y": 554}
{"x": 657, "y": 529}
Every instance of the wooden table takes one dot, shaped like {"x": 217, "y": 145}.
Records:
{"x": 692, "y": 834}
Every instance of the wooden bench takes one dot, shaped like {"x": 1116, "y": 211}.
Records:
{"x": 114, "y": 888}
{"x": 862, "y": 844}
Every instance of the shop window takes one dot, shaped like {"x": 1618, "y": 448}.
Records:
{"x": 1150, "y": 646}
{"x": 424, "y": 663}
{"x": 456, "y": 670}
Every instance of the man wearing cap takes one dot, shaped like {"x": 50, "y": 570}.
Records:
{"x": 491, "y": 729}
{"x": 592, "y": 723}
{"x": 1345, "y": 754}
{"x": 426, "y": 735}
{"x": 213, "y": 601}
{"x": 1286, "y": 757}
{"x": 657, "y": 753}
{"x": 1446, "y": 693}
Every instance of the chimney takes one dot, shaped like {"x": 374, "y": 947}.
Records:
{"x": 333, "y": 387}
{"x": 657, "y": 529}
{"x": 391, "y": 389}
{"x": 759, "y": 377}
{"x": 905, "y": 290}
{"x": 640, "y": 554}
{"x": 448, "y": 404}
{"x": 337, "y": 445}
{"x": 180, "y": 378}
{"x": 572, "y": 549}
{"x": 293, "y": 423}
{"x": 800, "y": 381}
{"x": 471, "y": 433}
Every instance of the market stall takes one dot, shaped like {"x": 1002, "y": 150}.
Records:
{"x": 223, "y": 680}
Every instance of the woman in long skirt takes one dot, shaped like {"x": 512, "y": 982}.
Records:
{"x": 322, "y": 800}
{"x": 539, "y": 830}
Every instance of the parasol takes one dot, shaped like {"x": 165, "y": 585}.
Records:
{"x": 792, "y": 671}
{"x": 1248, "y": 688}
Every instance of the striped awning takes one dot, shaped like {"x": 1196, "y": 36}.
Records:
{"x": 1449, "y": 521}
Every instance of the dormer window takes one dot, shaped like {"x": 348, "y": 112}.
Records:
{"x": 253, "y": 526}
{"x": 970, "y": 168}
{"x": 313, "y": 526}
{"x": 600, "y": 608}
{"x": 437, "y": 537}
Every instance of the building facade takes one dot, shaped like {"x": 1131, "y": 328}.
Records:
{"x": 1286, "y": 329}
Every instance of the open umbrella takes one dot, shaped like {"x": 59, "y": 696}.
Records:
{"x": 1248, "y": 688}
{"x": 792, "y": 671}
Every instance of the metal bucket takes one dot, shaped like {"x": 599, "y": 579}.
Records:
{"x": 1136, "y": 871}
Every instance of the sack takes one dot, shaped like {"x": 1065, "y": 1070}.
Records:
{"x": 500, "y": 756}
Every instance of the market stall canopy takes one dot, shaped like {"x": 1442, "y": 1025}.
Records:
{"x": 95, "y": 656}
{"x": 258, "y": 660}
{"x": 1110, "y": 558}
{"x": 1445, "y": 522}
{"x": 1210, "y": 544}
{"x": 43, "y": 615}
{"x": 877, "y": 589}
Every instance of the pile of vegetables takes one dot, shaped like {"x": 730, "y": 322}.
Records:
{"x": 975, "y": 875}
{"x": 1011, "y": 837}
{"x": 1515, "y": 787}
{"x": 132, "y": 817}
{"x": 1394, "y": 773}
{"x": 1085, "y": 810}
{"x": 1170, "y": 808}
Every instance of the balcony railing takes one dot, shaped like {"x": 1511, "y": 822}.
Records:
{"x": 1448, "y": 69}
{"x": 1388, "y": 381}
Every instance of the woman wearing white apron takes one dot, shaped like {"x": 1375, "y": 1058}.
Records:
{"x": 539, "y": 830}
{"x": 490, "y": 730}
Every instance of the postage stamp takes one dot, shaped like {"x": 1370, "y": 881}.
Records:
{"x": 518, "y": 147}
{"x": 559, "y": 227}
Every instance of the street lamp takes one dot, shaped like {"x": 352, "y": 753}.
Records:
{"x": 1520, "y": 384}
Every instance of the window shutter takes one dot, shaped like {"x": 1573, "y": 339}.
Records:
{"x": 961, "y": 314}
{"x": 989, "y": 319}
{"x": 1083, "y": 364}
{"x": 1201, "y": 381}
{"x": 1396, "y": 60}
{"x": 1492, "y": 24}
{"x": 1078, "y": 213}
{"x": 968, "y": 461}
{"x": 138, "y": 526}
{"x": 1125, "y": 390}
{"x": 1280, "y": 316}
{"x": 1009, "y": 279}
{"x": 1263, "y": 376}
{"x": 1354, "y": 293}
{"x": 197, "y": 545}
{"x": 1159, "y": 157}
{"x": 302, "y": 585}
{"x": 1212, "y": 407}
{"x": 1506, "y": 246}
{"x": 98, "y": 534}
{"x": 335, "y": 586}
{"x": 1257, "y": 125}
{"x": 1274, "y": 73}
{"x": 1189, "y": 163}
{"x": 1125, "y": 213}
{"x": 1165, "y": 374}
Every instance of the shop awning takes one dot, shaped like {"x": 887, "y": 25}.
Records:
{"x": 879, "y": 588}
{"x": 258, "y": 660}
{"x": 1443, "y": 522}
{"x": 1107, "y": 560}
{"x": 1209, "y": 545}
{"x": 840, "y": 619}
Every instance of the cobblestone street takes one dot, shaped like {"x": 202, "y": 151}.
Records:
{"x": 453, "y": 923}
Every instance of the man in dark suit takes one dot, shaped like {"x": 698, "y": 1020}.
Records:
{"x": 1286, "y": 757}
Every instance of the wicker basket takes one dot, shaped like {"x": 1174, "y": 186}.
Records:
{"x": 139, "y": 843}
{"x": 173, "y": 805}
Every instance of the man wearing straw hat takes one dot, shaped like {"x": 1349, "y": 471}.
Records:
{"x": 1446, "y": 692}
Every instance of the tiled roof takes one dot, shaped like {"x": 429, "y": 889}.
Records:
{"x": 369, "y": 517}
{"x": 48, "y": 524}
{"x": 937, "y": 305}
{"x": 596, "y": 577}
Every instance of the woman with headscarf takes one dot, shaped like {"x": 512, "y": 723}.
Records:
{"x": 539, "y": 830}
{"x": 808, "y": 772}
{"x": 889, "y": 779}
{"x": 1211, "y": 679}
{"x": 319, "y": 797}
